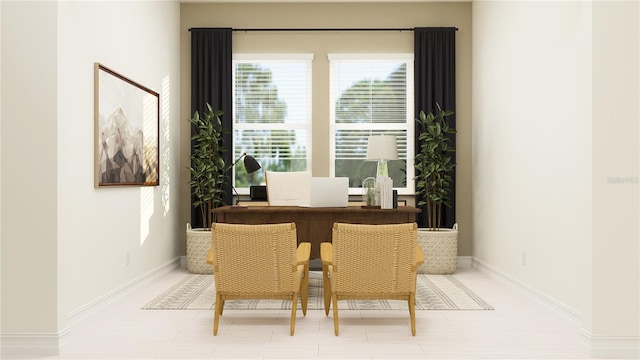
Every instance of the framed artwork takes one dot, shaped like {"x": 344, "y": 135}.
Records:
{"x": 127, "y": 122}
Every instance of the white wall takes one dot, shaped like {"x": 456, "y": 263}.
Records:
{"x": 541, "y": 212}
{"x": 72, "y": 243}
{"x": 100, "y": 228}
{"x": 29, "y": 168}
{"x": 532, "y": 142}
{"x": 0, "y": 157}
{"x": 613, "y": 319}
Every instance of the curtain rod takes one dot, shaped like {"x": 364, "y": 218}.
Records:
{"x": 324, "y": 29}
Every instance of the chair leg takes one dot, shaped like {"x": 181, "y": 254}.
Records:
{"x": 304, "y": 289}
{"x": 217, "y": 311}
{"x": 412, "y": 312}
{"x": 221, "y": 307}
{"x": 294, "y": 307}
{"x": 326, "y": 284}
{"x": 335, "y": 313}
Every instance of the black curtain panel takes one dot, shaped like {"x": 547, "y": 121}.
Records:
{"x": 435, "y": 82}
{"x": 211, "y": 82}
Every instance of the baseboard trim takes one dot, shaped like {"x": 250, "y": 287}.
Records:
{"x": 613, "y": 347}
{"x": 36, "y": 344}
{"x": 465, "y": 262}
{"x": 600, "y": 346}
{"x": 48, "y": 344}
{"x": 86, "y": 309}
{"x": 571, "y": 314}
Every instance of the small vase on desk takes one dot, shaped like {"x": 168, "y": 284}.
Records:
{"x": 369, "y": 192}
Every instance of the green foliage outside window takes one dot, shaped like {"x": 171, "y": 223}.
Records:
{"x": 370, "y": 101}
{"x": 257, "y": 101}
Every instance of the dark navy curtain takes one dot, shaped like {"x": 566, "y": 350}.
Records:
{"x": 435, "y": 82}
{"x": 211, "y": 82}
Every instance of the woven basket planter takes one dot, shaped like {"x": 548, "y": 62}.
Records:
{"x": 198, "y": 244}
{"x": 440, "y": 249}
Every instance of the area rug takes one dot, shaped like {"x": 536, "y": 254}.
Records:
{"x": 433, "y": 292}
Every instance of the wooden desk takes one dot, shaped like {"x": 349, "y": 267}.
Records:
{"x": 314, "y": 225}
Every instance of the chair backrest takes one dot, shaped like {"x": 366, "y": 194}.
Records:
{"x": 288, "y": 188}
{"x": 254, "y": 258}
{"x": 374, "y": 258}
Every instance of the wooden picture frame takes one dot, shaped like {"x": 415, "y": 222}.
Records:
{"x": 126, "y": 135}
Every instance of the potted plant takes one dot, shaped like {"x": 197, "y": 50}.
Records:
{"x": 434, "y": 164}
{"x": 207, "y": 171}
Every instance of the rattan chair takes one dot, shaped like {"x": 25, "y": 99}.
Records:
{"x": 259, "y": 262}
{"x": 371, "y": 262}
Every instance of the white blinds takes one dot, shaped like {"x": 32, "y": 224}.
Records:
{"x": 352, "y": 144}
{"x": 371, "y": 94}
{"x": 272, "y": 113}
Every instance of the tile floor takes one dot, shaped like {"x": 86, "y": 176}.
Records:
{"x": 520, "y": 327}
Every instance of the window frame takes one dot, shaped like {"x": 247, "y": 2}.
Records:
{"x": 307, "y": 126}
{"x": 409, "y": 125}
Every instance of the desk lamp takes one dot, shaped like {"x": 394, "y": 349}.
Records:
{"x": 250, "y": 165}
{"x": 382, "y": 148}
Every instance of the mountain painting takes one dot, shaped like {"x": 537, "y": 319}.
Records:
{"x": 126, "y": 138}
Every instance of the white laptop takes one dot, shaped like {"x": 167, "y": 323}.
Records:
{"x": 329, "y": 192}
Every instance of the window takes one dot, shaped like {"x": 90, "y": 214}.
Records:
{"x": 371, "y": 94}
{"x": 271, "y": 114}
